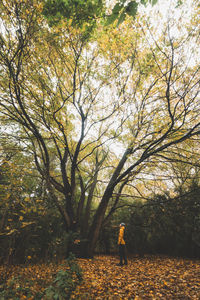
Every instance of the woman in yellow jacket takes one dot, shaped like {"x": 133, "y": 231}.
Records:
{"x": 122, "y": 245}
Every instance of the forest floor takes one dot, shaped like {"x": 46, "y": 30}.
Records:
{"x": 150, "y": 277}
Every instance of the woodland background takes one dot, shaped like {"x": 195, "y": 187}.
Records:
{"x": 99, "y": 125}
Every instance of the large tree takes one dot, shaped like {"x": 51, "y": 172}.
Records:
{"x": 95, "y": 112}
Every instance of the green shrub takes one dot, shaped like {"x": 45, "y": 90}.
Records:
{"x": 65, "y": 282}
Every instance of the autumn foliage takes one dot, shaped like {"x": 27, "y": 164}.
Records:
{"x": 150, "y": 277}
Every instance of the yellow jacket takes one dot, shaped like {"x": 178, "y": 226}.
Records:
{"x": 121, "y": 236}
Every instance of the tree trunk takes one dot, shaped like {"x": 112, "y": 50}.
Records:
{"x": 100, "y": 213}
{"x": 97, "y": 223}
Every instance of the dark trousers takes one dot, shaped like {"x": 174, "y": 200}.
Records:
{"x": 122, "y": 254}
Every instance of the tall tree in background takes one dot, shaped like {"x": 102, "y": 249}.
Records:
{"x": 95, "y": 112}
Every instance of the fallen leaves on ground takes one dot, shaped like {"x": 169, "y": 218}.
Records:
{"x": 150, "y": 277}
{"x": 143, "y": 278}
{"x": 35, "y": 278}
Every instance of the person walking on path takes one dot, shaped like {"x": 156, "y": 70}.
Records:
{"x": 122, "y": 246}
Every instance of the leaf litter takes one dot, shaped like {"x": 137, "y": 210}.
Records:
{"x": 149, "y": 277}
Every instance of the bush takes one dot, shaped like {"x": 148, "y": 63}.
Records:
{"x": 65, "y": 282}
